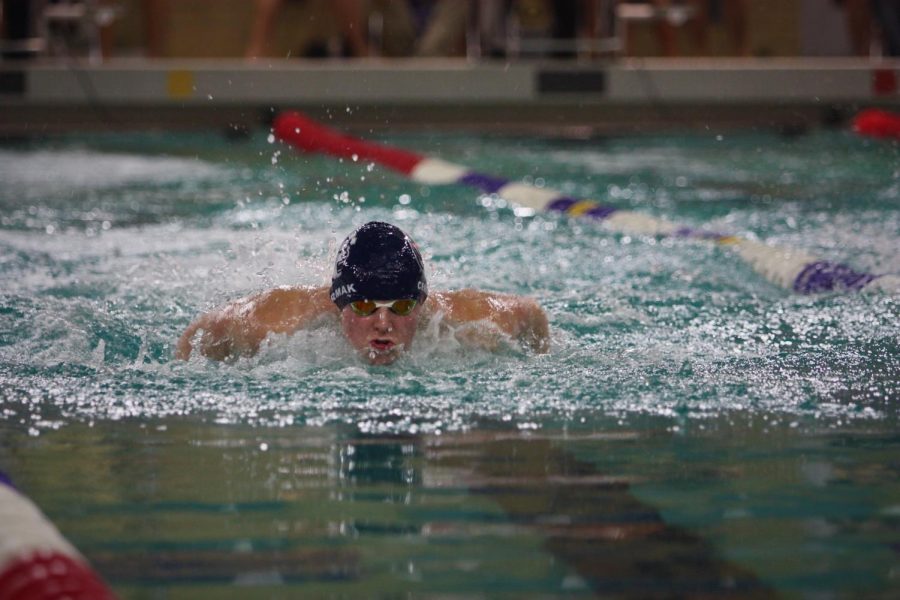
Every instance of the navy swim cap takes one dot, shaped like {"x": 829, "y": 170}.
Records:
{"x": 378, "y": 262}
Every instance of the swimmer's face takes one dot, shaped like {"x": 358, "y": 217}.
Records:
{"x": 381, "y": 337}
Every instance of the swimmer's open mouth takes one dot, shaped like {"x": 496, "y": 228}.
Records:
{"x": 381, "y": 345}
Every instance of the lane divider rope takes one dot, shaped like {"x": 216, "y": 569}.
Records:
{"x": 789, "y": 268}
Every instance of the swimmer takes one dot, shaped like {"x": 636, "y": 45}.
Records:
{"x": 380, "y": 299}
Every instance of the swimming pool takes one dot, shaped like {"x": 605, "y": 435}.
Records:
{"x": 695, "y": 429}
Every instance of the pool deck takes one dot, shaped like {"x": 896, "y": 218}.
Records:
{"x": 566, "y": 98}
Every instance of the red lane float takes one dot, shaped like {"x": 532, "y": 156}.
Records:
{"x": 874, "y": 122}
{"x": 309, "y": 136}
{"x": 36, "y": 562}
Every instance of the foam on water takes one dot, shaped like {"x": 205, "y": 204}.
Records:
{"x": 89, "y": 313}
{"x": 49, "y": 171}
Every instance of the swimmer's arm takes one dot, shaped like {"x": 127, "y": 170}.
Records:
{"x": 518, "y": 317}
{"x": 238, "y": 328}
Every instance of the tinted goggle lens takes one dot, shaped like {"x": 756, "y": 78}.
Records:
{"x": 364, "y": 308}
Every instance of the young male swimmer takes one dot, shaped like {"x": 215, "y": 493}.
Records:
{"x": 380, "y": 296}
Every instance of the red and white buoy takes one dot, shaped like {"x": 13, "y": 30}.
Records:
{"x": 36, "y": 561}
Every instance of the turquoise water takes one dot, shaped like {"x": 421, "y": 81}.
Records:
{"x": 694, "y": 428}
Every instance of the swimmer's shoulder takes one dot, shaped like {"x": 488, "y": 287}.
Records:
{"x": 294, "y": 293}
{"x": 467, "y": 304}
{"x": 520, "y": 317}
{"x": 287, "y": 307}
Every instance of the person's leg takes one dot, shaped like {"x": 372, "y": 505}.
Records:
{"x": 736, "y": 16}
{"x": 699, "y": 25}
{"x": 665, "y": 31}
{"x": 263, "y": 26}
{"x": 859, "y": 22}
{"x": 445, "y": 33}
{"x": 887, "y": 12}
{"x": 399, "y": 27}
{"x": 351, "y": 20}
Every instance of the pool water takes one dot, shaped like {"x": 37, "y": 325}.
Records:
{"x": 695, "y": 429}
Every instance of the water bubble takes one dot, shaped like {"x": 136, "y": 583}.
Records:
{"x": 523, "y": 211}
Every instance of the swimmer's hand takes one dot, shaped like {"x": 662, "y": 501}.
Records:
{"x": 483, "y": 319}
{"x": 237, "y": 329}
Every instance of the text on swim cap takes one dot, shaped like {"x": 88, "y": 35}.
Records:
{"x": 350, "y": 288}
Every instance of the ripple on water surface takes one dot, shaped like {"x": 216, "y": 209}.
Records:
{"x": 106, "y": 256}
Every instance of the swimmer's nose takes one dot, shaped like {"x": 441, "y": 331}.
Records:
{"x": 383, "y": 319}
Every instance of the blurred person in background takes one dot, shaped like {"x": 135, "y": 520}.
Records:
{"x": 863, "y": 14}
{"x": 389, "y": 28}
{"x": 347, "y": 14}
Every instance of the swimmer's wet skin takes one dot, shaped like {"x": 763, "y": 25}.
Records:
{"x": 379, "y": 295}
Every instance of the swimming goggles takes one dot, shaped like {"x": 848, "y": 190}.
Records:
{"x": 365, "y": 308}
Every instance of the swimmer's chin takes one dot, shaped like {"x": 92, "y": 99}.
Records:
{"x": 382, "y": 356}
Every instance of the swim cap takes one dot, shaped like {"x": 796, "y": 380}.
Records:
{"x": 378, "y": 262}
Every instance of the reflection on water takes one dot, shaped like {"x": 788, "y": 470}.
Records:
{"x": 740, "y": 508}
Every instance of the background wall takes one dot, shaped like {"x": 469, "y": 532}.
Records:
{"x": 823, "y": 29}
